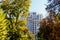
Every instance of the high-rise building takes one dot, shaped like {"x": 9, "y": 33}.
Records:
{"x": 33, "y": 22}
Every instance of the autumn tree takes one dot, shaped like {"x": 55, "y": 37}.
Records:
{"x": 3, "y": 25}
{"x": 49, "y": 27}
{"x": 16, "y": 13}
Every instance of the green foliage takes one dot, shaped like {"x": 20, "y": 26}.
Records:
{"x": 14, "y": 10}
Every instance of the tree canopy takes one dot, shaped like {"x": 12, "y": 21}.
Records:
{"x": 16, "y": 12}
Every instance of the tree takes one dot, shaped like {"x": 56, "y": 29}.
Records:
{"x": 53, "y": 5}
{"x": 49, "y": 27}
{"x": 16, "y": 13}
{"x": 3, "y": 25}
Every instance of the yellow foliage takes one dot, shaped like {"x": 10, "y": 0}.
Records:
{"x": 22, "y": 21}
{"x": 3, "y": 25}
{"x": 16, "y": 9}
{"x": 24, "y": 28}
{"x": 26, "y": 14}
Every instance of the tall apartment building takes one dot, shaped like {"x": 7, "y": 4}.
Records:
{"x": 33, "y": 22}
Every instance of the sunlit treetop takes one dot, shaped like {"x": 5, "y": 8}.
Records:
{"x": 16, "y": 6}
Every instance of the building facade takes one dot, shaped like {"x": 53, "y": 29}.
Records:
{"x": 33, "y": 22}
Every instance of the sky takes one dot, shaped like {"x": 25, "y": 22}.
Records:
{"x": 39, "y": 6}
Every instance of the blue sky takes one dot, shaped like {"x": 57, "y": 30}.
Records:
{"x": 39, "y": 7}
